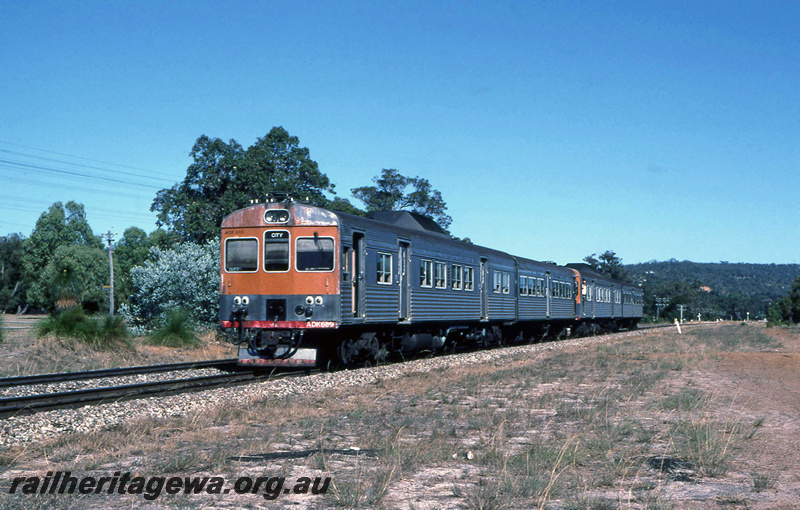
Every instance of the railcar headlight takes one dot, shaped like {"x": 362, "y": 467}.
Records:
{"x": 318, "y": 300}
{"x": 299, "y": 310}
{"x": 237, "y": 300}
{"x": 309, "y": 300}
{"x": 245, "y": 300}
{"x": 276, "y": 216}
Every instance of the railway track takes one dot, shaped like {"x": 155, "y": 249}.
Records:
{"x": 26, "y": 380}
{"x": 31, "y": 404}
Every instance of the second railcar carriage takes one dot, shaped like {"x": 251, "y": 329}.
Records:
{"x": 302, "y": 285}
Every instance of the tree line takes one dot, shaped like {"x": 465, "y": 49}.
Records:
{"x": 713, "y": 290}
{"x": 63, "y": 264}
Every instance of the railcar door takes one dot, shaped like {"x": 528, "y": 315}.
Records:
{"x": 359, "y": 252}
{"x": 548, "y": 292}
{"x": 403, "y": 263}
{"x": 484, "y": 288}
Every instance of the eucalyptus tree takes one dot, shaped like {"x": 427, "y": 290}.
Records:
{"x": 394, "y": 192}
{"x": 224, "y": 177}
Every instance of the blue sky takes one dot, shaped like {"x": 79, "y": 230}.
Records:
{"x": 553, "y": 129}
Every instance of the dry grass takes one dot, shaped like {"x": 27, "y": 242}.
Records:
{"x": 574, "y": 429}
{"x": 23, "y": 353}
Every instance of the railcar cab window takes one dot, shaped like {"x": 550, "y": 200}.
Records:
{"x": 314, "y": 253}
{"x": 241, "y": 255}
{"x": 276, "y": 251}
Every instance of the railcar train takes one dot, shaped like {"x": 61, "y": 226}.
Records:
{"x": 304, "y": 286}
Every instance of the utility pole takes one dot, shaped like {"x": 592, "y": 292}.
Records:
{"x": 110, "y": 236}
{"x": 681, "y": 308}
{"x": 661, "y": 303}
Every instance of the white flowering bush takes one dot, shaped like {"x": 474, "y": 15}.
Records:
{"x": 186, "y": 276}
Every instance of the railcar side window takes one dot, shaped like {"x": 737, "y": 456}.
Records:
{"x": 457, "y": 272}
{"x": 276, "y": 251}
{"x": 523, "y": 285}
{"x": 441, "y": 275}
{"x": 314, "y": 253}
{"x": 469, "y": 278}
{"x": 385, "y": 268}
{"x": 506, "y": 283}
{"x": 241, "y": 255}
{"x": 425, "y": 273}
{"x": 496, "y": 281}
{"x": 346, "y": 263}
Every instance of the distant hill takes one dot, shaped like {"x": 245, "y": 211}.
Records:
{"x": 715, "y": 290}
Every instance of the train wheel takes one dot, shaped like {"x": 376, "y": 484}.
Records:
{"x": 346, "y": 351}
{"x": 374, "y": 352}
{"x": 366, "y": 350}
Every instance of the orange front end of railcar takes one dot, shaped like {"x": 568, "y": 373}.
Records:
{"x": 279, "y": 289}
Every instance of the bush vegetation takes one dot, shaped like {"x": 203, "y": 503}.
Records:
{"x": 185, "y": 277}
{"x": 102, "y": 332}
{"x": 176, "y": 330}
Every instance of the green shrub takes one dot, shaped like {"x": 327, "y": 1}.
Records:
{"x": 104, "y": 332}
{"x": 176, "y": 330}
{"x": 72, "y": 323}
{"x": 111, "y": 330}
{"x": 186, "y": 276}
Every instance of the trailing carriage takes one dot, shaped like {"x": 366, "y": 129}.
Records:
{"x": 304, "y": 286}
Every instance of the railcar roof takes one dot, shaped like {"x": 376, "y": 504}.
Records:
{"x": 587, "y": 270}
{"x": 421, "y": 231}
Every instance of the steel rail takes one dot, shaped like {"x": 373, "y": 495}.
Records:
{"x": 26, "y": 380}
{"x": 31, "y": 404}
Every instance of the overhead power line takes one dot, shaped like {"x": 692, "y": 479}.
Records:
{"x": 77, "y": 174}
{"x": 81, "y": 165}
{"x": 46, "y": 203}
{"x": 73, "y": 156}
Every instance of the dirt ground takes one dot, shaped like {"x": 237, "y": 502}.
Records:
{"x": 709, "y": 419}
{"x": 765, "y": 386}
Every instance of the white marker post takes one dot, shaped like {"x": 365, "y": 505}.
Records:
{"x": 678, "y": 325}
